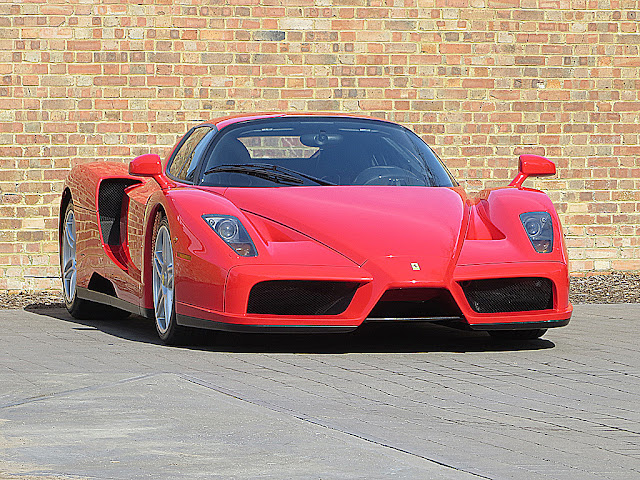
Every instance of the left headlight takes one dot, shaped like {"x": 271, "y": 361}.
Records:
{"x": 233, "y": 233}
{"x": 539, "y": 228}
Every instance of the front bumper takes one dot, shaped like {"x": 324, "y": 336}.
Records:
{"x": 374, "y": 279}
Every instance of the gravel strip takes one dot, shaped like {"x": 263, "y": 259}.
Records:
{"x": 616, "y": 287}
{"x": 44, "y": 299}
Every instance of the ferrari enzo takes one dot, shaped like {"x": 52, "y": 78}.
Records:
{"x": 291, "y": 222}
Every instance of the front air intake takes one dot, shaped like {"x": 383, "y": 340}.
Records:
{"x": 501, "y": 295}
{"x": 301, "y": 297}
{"x": 415, "y": 303}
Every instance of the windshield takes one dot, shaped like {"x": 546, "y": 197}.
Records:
{"x": 321, "y": 151}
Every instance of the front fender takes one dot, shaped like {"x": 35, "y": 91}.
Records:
{"x": 502, "y": 208}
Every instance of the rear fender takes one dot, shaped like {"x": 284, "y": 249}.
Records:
{"x": 94, "y": 252}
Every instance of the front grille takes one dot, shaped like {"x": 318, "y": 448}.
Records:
{"x": 509, "y": 294}
{"x": 415, "y": 303}
{"x": 301, "y": 297}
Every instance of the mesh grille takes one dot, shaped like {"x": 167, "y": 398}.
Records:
{"x": 301, "y": 297}
{"x": 110, "y": 208}
{"x": 509, "y": 294}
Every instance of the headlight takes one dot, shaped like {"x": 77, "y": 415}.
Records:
{"x": 539, "y": 228}
{"x": 233, "y": 233}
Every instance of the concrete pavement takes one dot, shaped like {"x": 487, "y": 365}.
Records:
{"x": 103, "y": 399}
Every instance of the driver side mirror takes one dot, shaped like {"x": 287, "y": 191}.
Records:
{"x": 532, "y": 166}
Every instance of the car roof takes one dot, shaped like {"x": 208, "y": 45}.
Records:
{"x": 223, "y": 122}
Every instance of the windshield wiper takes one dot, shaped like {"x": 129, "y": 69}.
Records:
{"x": 268, "y": 171}
{"x": 257, "y": 171}
{"x": 317, "y": 180}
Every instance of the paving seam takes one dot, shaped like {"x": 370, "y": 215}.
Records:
{"x": 77, "y": 390}
{"x": 320, "y": 423}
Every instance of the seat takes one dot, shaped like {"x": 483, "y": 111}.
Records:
{"x": 229, "y": 152}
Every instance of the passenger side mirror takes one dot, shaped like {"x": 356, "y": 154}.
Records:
{"x": 149, "y": 165}
{"x": 532, "y": 166}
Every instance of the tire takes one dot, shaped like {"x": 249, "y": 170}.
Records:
{"x": 78, "y": 307}
{"x": 503, "y": 335}
{"x": 163, "y": 288}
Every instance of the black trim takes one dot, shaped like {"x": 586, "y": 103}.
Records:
{"x": 105, "y": 299}
{"x": 414, "y": 320}
{"x": 188, "y": 321}
{"x": 520, "y": 325}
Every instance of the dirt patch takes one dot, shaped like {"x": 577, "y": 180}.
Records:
{"x": 614, "y": 287}
{"x": 44, "y": 299}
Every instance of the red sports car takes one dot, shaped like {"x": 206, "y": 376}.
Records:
{"x": 309, "y": 222}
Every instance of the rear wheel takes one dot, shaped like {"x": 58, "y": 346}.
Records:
{"x": 77, "y": 307}
{"x": 163, "y": 286}
{"x": 518, "y": 334}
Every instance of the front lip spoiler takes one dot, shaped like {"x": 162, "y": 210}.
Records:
{"x": 519, "y": 325}
{"x": 456, "y": 318}
{"x": 189, "y": 321}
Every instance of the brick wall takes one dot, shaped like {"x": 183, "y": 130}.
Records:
{"x": 480, "y": 80}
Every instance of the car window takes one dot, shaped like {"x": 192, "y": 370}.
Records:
{"x": 338, "y": 151}
{"x": 186, "y": 158}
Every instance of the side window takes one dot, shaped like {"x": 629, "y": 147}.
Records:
{"x": 198, "y": 152}
{"x": 184, "y": 160}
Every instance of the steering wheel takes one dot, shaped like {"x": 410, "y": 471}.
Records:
{"x": 387, "y": 175}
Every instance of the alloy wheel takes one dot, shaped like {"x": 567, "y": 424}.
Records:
{"x": 69, "y": 264}
{"x": 163, "y": 293}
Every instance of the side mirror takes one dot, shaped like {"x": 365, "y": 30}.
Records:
{"x": 533, "y": 166}
{"x": 148, "y": 165}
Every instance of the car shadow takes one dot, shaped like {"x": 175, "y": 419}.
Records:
{"x": 372, "y": 338}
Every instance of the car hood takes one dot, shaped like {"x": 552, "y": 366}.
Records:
{"x": 365, "y": 222}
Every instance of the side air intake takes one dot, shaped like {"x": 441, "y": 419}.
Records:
{"x": 110, "y": 195}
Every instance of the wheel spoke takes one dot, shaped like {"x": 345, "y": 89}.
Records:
{"x": 159, "y": 300}
{"x": 165, "y": 248}
{"x": 72, "y": 282}
{"x": 158, "y": 263}
{"x": 69, "y": 268}
{"x": 71, "y": 235}
{"x": 169, "y": 276}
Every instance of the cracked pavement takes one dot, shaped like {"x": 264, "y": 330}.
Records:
{"x": 103, "y": 399}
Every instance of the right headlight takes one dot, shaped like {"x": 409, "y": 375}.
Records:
{"x": 539, "y": 228}
{"x": 233, "y": 233}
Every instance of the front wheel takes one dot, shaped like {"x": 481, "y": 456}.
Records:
{"x": 164, "y": 287}
{"x": 518, "y": 334}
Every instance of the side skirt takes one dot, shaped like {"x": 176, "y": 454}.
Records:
{"x": 116, "y": 302}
